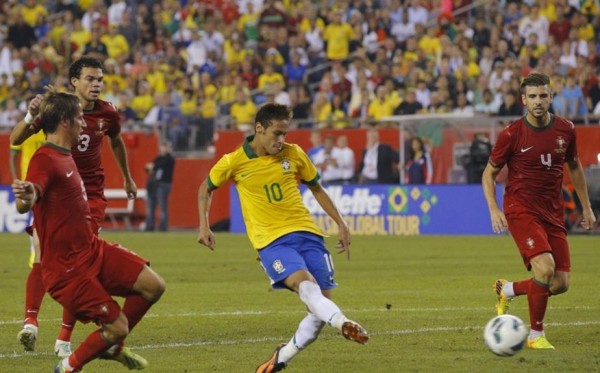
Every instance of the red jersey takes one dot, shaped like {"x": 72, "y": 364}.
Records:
{"x": 61, "y": 216}
{"x": 535, "y": 158}
{"x": 103, "y": 120}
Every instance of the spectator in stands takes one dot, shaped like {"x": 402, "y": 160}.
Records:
{"x": 321, "y": 109}
{"x": 143, "y": 101}
{"x": 418, "y": 168}
{"x": 510, "y": 106}
{"x": 576, "y": 105}
{"x": 326, "y": 161}
{"x": 488, "y": 105}
{"x": 300, "y": 103}
{"x": 20, "y": 34}
{"x": 95, "y": 47}
{"x": 243, "y": 111}
{"x": 378, "y": 164}
{"x": 345, "y": 160}
{"x": 381, "y": 106}
{"x": 338, "y": 34}
{"x": 410, "y": 105}
{"x": 158, "y": 187}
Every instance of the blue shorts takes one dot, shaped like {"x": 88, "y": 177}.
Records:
{"x": 295, "y": 252}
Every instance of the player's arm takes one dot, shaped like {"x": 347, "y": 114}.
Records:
{"x": 120, "y": 152}
{"x": 577, "y": 176}
{"x": 24, "y": 129}
{"x": 205, "y": 235}
{"x": 13, "y": 163}
{"x": 488, "y": 182}
{"x": 329, "y": 207}
{"x": 26, "y": 195}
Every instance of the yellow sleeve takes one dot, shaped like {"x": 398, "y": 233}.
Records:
{"x": 220, "y": 173}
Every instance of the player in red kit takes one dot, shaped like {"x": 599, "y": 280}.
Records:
{"x": 81, "y": 271}
{"x": 102, "y": 119}
{"x": 535, "y": 148}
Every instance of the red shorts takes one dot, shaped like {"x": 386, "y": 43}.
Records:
{"x": 97, "y": 211}
{"x": 88, "y": 295}
{"x": 534, "y": 237}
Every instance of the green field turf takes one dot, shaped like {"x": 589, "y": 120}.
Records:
{"x": 424, "y": 301}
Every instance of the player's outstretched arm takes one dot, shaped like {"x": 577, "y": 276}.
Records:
{"x": 488, "y": 181}
{"x": 120, "y": 152}
{"x": 24, "y": 129}
{"x": 329, "y": 207}
{"x": 579, "y": 183}
{"x": 205, "y": 235}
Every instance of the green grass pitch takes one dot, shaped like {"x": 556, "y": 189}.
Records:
{"x": 424, "y": 301}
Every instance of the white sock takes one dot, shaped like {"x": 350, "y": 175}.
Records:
{"x": 66, "y": 365}
{"x": 533, "y": 334}
{"x": 307, "y": 333}
{"x": 324, "y": 309}
{"x": 508, "y": 290}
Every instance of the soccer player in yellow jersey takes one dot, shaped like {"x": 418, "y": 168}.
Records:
{"x": 291, "y": 247}
{"x": 27, "y": 149}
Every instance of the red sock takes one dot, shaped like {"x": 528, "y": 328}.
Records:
{"x": 135, "y": 307}
{"x": 88, "y": 350}
{"x": 68, "y": 324}
{"x": 521, "y": 287}
{"x": 34, "y": 294}
{"x": 537, "y": 297}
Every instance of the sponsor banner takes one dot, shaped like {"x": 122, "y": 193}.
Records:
{"x": 10, "y": 220}
{"x": 397, "y": 210}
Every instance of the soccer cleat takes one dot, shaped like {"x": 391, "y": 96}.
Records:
{"x": 60, "y": 369}
{"x": 128, "y": 358}
{"x": 503, "y": 300}
{"x": 62, "y": 348}
{"x": 540, "y": 343}
{"x": 28, "y": 336}
{"x": 271, "y": 365}
{"x": 354, "y": 332}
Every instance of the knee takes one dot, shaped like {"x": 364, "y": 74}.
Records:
{"x": 117, "y": 331}
{"x": 545, "y": 274}
{"x": 559, "y": 288}
{"x": 157, "y": 289}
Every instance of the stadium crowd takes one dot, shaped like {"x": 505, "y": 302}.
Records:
{"x": 189, "y": 67}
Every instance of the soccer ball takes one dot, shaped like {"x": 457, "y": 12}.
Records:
{"x": 505, "y": 335}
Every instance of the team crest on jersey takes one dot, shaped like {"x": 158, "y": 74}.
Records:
{"x": 278, "y": 266}
{"x": 101, "y": 129}
{"x": 561, "y": 143}
{"x": 530, "y": 243}
{"x": 287, "y": 166}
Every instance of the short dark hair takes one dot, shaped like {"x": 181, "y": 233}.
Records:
{"x": 272, "y": 111}
{"x": 534, "y": 80}
{"x": 56, "y": 107}
{"x": 85, "y": 61}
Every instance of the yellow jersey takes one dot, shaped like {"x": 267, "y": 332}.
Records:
{"x": 28, "y": 149}
{"x": 268, "y": 188}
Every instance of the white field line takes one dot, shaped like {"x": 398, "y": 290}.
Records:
{"x": 300, "y": 311}
{"x": 276, "y": 339}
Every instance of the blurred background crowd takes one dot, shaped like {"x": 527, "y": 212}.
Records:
{"x": 190, "y": 68}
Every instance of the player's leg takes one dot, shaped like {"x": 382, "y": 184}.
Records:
{"x": 128, "y": 275}
{"x": 542, "y": 267}
{"x": 62, "y": 346}
{"x": 87, "y": 299}
{"x": 95, "y": 344}
{"x": 34, "y": 294}
{"x": 303, "y": 258}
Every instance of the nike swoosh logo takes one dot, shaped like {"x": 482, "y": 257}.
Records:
{"x": 523, "y": 150}
{"x": 69, "y": 173}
